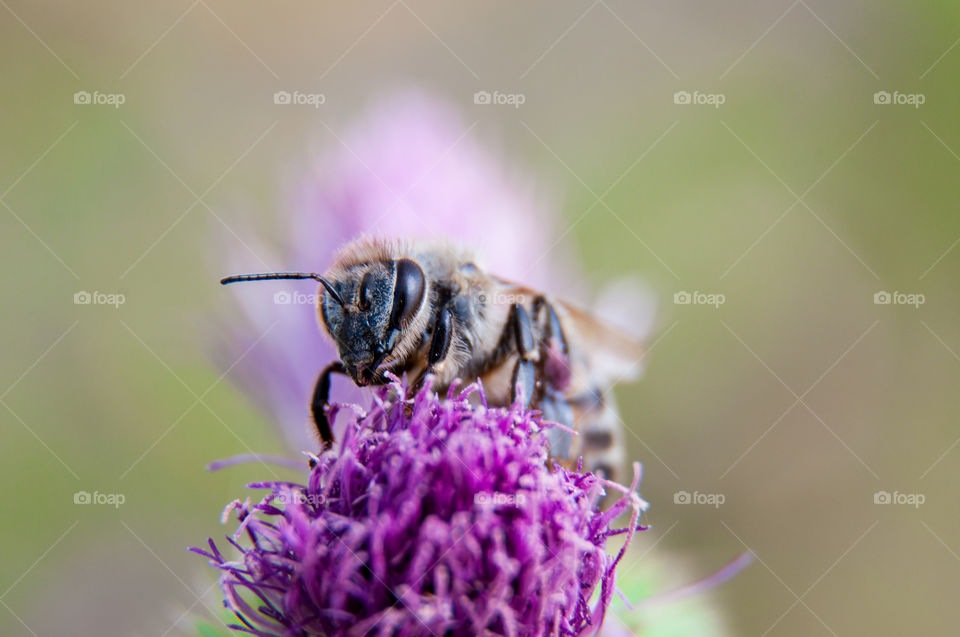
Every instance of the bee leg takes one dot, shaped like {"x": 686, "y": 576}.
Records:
{"x": 593, "y": 414}
{"x": 524, "y": 376}
{"x": 556, "y": 409}
{"x": 320, "y": 402}
{"x": 553, "y": 331}
{"x": 556, "y": 364}
{"x": 439, "y": 344}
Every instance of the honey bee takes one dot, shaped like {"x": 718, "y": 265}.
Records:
{"x": 423, "y": 308}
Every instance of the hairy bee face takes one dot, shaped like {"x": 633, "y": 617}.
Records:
{"x": 379, "y": 300}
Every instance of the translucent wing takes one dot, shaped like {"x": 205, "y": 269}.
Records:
{"x": 600, "y": 354}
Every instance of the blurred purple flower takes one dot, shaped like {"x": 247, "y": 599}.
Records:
{"x": 409, "y": 168}
{"x": 433, "y": 517}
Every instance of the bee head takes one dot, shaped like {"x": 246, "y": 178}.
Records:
{"x": 367, "y": 310}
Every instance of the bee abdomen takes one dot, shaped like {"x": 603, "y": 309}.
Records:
{"x": 597, "y": 440}
{"x": 593, "y": 415}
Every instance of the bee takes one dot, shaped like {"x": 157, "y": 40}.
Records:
{"x": 423, "y": 308}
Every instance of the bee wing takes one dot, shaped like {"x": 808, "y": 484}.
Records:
{"x": 606, "y": 353}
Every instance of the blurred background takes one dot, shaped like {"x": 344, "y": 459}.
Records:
{"x": 780, "y": 175}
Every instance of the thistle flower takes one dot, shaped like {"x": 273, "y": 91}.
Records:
{"x": 432, "y": 517}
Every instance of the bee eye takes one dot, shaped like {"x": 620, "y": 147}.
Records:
{"x": 366, "y": 291}
{"x": 407, "y": 293}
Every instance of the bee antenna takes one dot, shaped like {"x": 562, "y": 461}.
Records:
{"x": 272, "y": 276}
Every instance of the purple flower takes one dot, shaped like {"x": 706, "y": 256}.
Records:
{"x": 410, "y": 167}
{"x": 434, "y": 516}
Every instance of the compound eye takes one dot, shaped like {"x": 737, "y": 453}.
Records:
{"x": 366, "y": 291}
{"x": 407, "y": 293}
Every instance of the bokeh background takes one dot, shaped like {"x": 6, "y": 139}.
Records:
{"x": 798, "y": 399}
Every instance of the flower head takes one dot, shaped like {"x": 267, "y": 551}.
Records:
{"x": 434, "y": 516}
